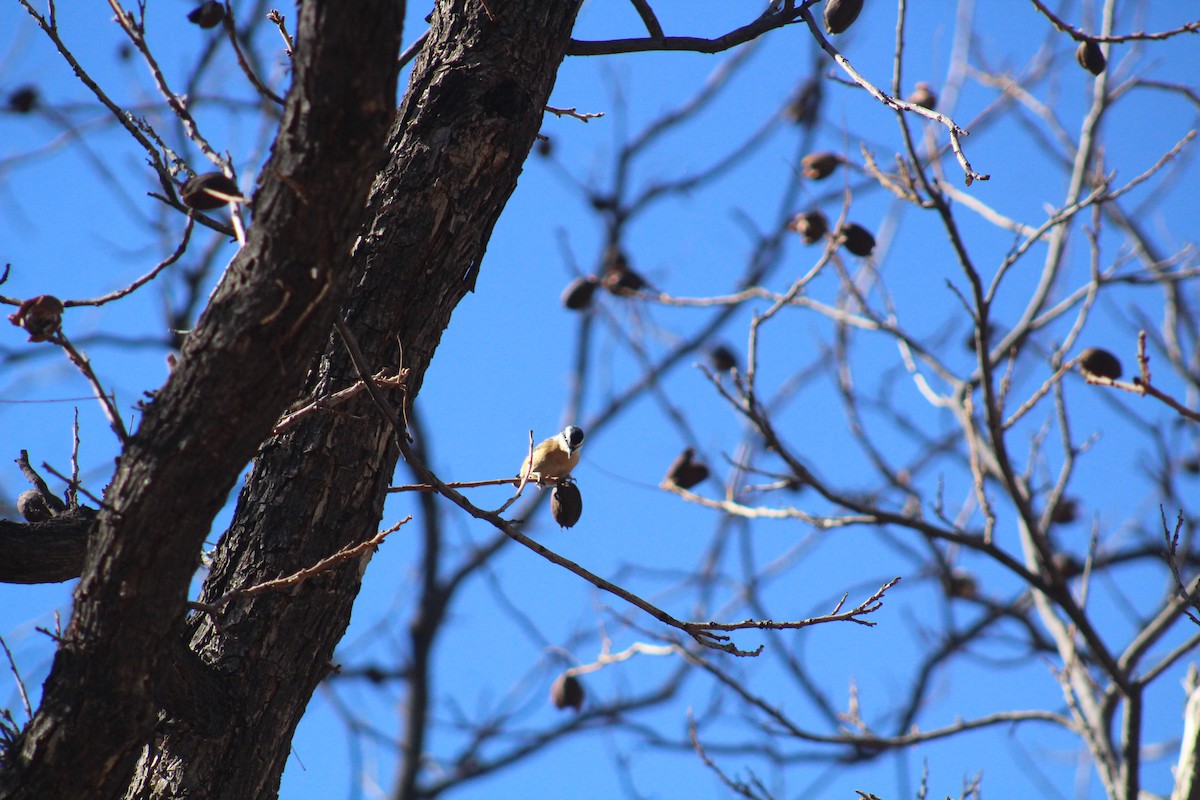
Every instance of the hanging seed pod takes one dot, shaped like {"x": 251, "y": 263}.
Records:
{"x": 923, "y": 96}
{"x": 567, "y": 692}
{"x": 840, "y": 14}
{"x": 685, "y": 472}
{"x": 969, "y": 341}
{"x": 1066, "y": 512}
{"x": 805, "y": 107}
{"x": 209, "y": 14}
{"x": 566, "y": 504}
{"x": 819, "y": 166}
{"x": 1067, "y": 565}
{"x": 579, "y": 292}
{"x": 616, "y": 274}
{"x": 961, "y": 584}
{"x": 1099, "y": 363}
{"x": 1090, "y": 56}
{"x": 544, "y": 146}
{"x": 23, "y": 99}
{"x": 722, "y": 358}
{"x": 209, "y": 191}
{"x": 41, "y": 316}
{"x": 811, "y": 225}
{"x": 857, "y": 239}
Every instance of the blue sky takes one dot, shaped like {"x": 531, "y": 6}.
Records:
{"x": 505, "y": 365}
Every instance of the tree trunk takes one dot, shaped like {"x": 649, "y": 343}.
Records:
{"x": 121, "y": 676}
{"x": 460, "y": 138}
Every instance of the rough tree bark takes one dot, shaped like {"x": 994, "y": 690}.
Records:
{"x": 220, "y": 725}
{"x": 115, "y": 667}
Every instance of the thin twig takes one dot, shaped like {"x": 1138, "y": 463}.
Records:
{"x": 107, "y": 403}
{"x": 301, "y": 575}
{"x": 12, "y": 666}
{"x": 1080, "y": 36}
{"x": 142, "y": 281}
{"x": 231, "y": 32}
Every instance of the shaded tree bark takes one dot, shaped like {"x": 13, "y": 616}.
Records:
{"x": 469, "y": 119}
{"x": 140, "y": 702}
{"x": 51, "y": 551}
{"x": 115, "y": 669}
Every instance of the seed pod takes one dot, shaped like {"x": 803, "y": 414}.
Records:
{"x": 41, "y": 316}
{"x": 1099, "y": 363}
{"x": 200, "y": 191}
{"x": 1066, "y": 564}
{"x": 805, "y": 107}
{"x": 1066, "y": 512}
{"x": 819, "y": 166}
{"x": 544, "y": 146}
{"x": 1191, "y": 465}
{"x": 961, "y": 584}
{"x": 857, "y": 239}
{"x": 617, "y": 276}
{"x": 579, "y": 292}
{"x": 685, "y": 472}
{"x": 722, "y": 358}
{"x": 811, "y": 225}
{"x": 923, "y": 96}
{"x": 969, "y": 342}
{"x": 23, "y": 99}
{"x": 1090, "y": 56}
{"x": 840, "y": 14}
{"x": 566, "y": 504}
{"x": 567, "y": 692}
{"x": 209, "y": 14}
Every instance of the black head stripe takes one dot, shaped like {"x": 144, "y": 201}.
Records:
{"x": 574, "y": 437}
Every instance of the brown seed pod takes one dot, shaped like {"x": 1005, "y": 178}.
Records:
{"x": 1191, "y": 465}
{"x": 1099, "y": 363}
{"x": 579, "y": 292}
{"x": 923, "y": 96}
{"x": 544, "y": 146}
{"x": 811, "y": 225}
{"x": 969, "y": 341}
{"x": 41, "y": 316}
{"x": 208, "y": 14}
{"x": 23, "y": 99}
{"x": 840, "y": 14}
{"x": 616, "y": 274}
{"x": 722, "y": 358}
{"x": 566, "y": 504}
{"x": 805, "y": 107}
{"x": 961, "y": 584}
{"x": 567, "y": 692}
{"x": 685, "y": 472}
{"x": 857, "y": 239}
{"x": 1090, "y": 56}
{"x": 1067, "y": 565}
{"x": 1066, "y": 512}
{"x": 819, "y": 166}
{"x": 201, "y": 191}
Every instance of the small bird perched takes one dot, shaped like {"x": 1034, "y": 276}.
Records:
{"x": 554, "y": 458}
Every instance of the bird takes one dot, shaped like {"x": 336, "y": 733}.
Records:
{"x": 554, "y": 458}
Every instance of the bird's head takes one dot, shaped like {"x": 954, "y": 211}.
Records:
{"x": 572, "y": 437}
